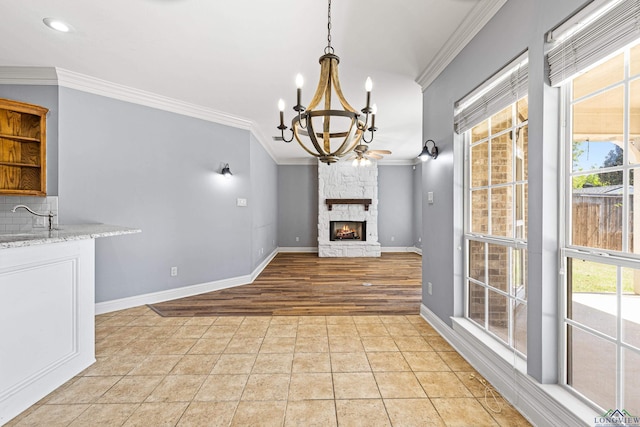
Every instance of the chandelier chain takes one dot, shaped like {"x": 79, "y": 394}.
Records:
{"x": 329, "y": 49}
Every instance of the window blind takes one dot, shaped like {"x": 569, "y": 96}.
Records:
{"x": 604, "y": 31}
{"x": 501, "y": 90}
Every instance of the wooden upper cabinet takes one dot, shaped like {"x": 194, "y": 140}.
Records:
{"x": 23, "y": 149}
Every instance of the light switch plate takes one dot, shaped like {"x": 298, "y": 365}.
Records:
{"x": 241, "y": 202}
{"x": 430, "y": 197}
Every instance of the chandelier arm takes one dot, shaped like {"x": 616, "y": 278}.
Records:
{"x": 285, "y": 139}
{"x": 338, "y": 88}
{"x": 300, "y": 117}
{"x": 322, "y": 84}
{"x": 364, "y": 137}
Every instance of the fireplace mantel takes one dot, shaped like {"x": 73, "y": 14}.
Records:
{"x": 365, "y": 202}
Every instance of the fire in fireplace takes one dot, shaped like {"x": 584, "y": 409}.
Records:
{"x": 348, "y": 230}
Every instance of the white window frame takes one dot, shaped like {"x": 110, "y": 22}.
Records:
{"x": 511, "y": 243}
{"x": 623, "y": 258}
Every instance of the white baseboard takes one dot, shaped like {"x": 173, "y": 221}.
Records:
{"x": 155, "y": 297}
{"x": 541, "y": 404}
{"x": 256, "y": 271}
{"x": 309, "y": 249}
{"x": 401, "y": 249}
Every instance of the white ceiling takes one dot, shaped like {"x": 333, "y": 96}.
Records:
{"x": 239, "y": 57}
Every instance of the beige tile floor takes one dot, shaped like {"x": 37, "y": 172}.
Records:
{"x": 270, "y": 371}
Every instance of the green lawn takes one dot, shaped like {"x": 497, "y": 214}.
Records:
{"x": 595, "y": 277}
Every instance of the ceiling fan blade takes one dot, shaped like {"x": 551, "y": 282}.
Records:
{"x": 379, "y": 151}
{"x": 373, "y": 156}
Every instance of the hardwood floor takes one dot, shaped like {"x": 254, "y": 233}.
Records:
{"x": 302, "y": 284}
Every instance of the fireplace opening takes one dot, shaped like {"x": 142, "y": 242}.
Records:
{"x": 348, "y": 230}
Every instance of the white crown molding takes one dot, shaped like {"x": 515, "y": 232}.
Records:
{"x": 35, "y": 76}
{"x": 70, "y": 79}
{"x": 89, "y": 84}
{"x": 470, "y": 26}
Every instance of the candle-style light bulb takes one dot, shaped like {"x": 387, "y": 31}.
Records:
{"x": 299, "y": 83}
{"x": 368, "y": 85}
{"x": 374, "y": 110}
{"x": 281, "y": 108}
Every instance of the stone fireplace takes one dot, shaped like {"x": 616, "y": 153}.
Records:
{"x": 348, "y": 210}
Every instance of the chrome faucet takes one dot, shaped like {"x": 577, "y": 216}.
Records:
{"x": 49, "y": 215}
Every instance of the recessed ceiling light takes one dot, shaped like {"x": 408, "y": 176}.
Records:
{"x": 57, "y": 25}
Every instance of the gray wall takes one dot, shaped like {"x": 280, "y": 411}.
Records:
{"x": 417, "y": 205}
{"x": 298, "y": 206}
{"x": 263, "y": 203}
{"x": 131, "y": 165}
{"x": 519, "y": 25}
{"x": 395, "y": 206}
{"x": 45, "y": 96}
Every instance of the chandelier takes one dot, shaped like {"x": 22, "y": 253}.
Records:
{"x": 322, "y": 131}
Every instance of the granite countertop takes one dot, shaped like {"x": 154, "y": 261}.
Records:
{"x": 62, "y": 233}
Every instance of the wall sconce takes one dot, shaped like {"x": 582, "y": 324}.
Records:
{"x": 226, "y": 172}
{"x": 426, "y": 152}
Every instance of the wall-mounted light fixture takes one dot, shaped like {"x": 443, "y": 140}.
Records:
{"x": 428, "y": 152}
{"x": 226, "y": 172}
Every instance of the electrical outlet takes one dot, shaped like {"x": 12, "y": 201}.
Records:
{"x": 429, "y": 288}
{"x": 297, "y": 239}
{"x": 393, "y": 238}
{"x": 174, "y": 271}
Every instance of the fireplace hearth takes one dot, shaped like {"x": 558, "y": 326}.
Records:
{"x": 348, "y": 230}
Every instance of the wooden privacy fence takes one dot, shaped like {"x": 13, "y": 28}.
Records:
{"x": 597, "y": 221}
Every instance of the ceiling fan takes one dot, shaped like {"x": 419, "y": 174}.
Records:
{"x": 362, "y": 156}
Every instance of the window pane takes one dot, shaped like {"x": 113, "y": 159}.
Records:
{"x": 501, "y": 120}
{"x": 592, "y": 366}
{"x": 522, "y": 153}
{"x": 520, "y": 327}
{"x": 631, "y": 374}
{"x": 596, "y": 122}
{"x": 501, "y": 159}
{"x": 592, "y": 288}
{"x": 476, "y": 261}
{"x": 591, "y": 156}
{"x": 479, "y": 211}
{"x": 522, "y": 207}
{"x": 502, "y": 212}
{"x": 635, "y": 60}
{"x": 634, "y": 121}
{"x": 480, "y": 131}
{"x": 599, "y": 77}
{"x": 519, "y": 273}
{"x": 480, "y": 165}
{"x": 597, "y": 211}
{"x": 499, "y": 315}
{"x": 476, "y": 303}
{"x": 631, "y": 306}
{"x": 522, "y": 110}
{"x": 634, "y": 215}
{"x": 498, "y": 266}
